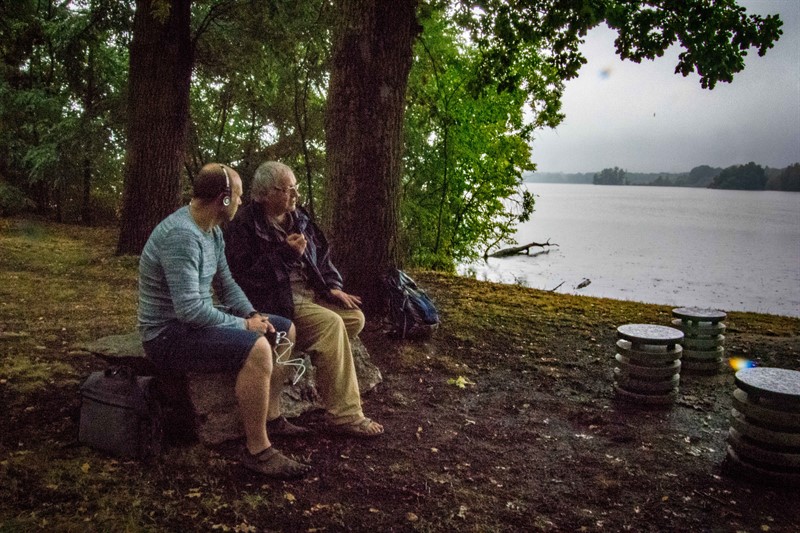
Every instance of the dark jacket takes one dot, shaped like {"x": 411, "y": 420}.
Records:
{"x": 260, "y": 260}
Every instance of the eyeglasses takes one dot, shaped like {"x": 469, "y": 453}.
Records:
{"x": 288, "y": 190}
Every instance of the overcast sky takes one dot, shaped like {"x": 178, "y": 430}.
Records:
{"x": 644, "y": 118}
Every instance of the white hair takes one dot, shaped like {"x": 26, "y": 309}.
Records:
{"x": 265, "y": 177}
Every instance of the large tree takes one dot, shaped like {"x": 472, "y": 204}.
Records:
{"x": 372, "y": 47}
{"x": 158, "y": 112}
{"x": 371, "y": 60}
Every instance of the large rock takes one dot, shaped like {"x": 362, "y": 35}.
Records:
{"x": 206, "y": 403}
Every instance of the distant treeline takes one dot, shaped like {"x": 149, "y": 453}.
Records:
{"x": 749, "y": 177}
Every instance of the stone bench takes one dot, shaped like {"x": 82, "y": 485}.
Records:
{"x": 203, "y": 406}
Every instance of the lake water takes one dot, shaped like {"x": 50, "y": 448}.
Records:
{"x": 728, "y": 250}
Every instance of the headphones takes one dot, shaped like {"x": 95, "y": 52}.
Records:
{"x": 226, "y": 199}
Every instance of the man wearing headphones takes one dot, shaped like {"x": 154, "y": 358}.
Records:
{"x": 183, "y": 331}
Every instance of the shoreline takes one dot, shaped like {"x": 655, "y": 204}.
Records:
{"x": 727, "y": 309}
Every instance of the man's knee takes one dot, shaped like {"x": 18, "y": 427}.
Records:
{"x": 356, "y": 324}
{"x": 259, "y": 359}
{"x": 351, "y": 322}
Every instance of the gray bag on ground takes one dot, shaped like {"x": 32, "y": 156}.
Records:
{"x": 121, "y": 414}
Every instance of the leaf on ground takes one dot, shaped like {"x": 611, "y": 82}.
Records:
{"x": 319, "y": 507}
{"x": 461, "y": 382}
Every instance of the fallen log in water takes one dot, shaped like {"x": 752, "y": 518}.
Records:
{"x": 514, "y": 250}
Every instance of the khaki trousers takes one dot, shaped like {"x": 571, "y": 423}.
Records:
{"x": 323, "y": 332}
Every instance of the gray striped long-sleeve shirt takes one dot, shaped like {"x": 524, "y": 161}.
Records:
{"x": 177, "y": 267}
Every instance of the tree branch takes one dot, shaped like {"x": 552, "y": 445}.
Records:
{"x": 514, "y": 250}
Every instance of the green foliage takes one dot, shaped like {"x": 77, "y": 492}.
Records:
{"x": 700, "y": 176}
{"x": 258, "y": 93}
{"x": 662, "y": 181}
{"x": 787, "y": 180}
{"x": 12, "y": 200}
{"x": 611, "y": 176}
{"x": 465, "y": 153}
{"x": 749, "y": 177}
{"x": 259, "y": 87}
{"x": 160, "y": 9}
{"x": 61, "y": 84}
{"x": 715, "y": 36}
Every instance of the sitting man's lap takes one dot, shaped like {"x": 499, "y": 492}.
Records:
{"x": 181, "y": 348}
{"x": 313, "y": 315}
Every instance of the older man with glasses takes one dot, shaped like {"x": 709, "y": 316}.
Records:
{"x": 281, "y": 259}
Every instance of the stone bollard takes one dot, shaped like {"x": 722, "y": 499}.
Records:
{"x": 648, "y": 358}
{"x": 764, "y": 437}
{"x": 703, "y": 350}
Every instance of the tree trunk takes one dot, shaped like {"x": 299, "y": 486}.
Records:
{"x": 88, "y": 148}
{"x": 301, "y": 122}
{"x": 364, "y": 134}
{"x": 158, "y": 112}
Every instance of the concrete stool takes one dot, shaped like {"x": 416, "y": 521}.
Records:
{"x": 764, "y": 438}
{"x": 703, "y": 351}
{"x": 649, "y": 363}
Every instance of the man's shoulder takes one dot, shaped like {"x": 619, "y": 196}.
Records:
{"x": 177, "y": 225}
{"x": 179, "y": 221}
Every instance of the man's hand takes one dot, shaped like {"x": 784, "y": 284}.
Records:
{"x": 259, "y": 323}
{"x": 297, "y": 242}
{"x": 348, "y": 301}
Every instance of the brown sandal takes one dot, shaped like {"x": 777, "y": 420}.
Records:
{"x": 272, "y": 463}
{"x": 359, "y": 428}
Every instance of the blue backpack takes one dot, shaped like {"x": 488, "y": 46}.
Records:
{"x": 412, "y": 314}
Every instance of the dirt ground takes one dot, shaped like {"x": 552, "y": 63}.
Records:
{"x": 538, "y": 442}
{"x": 532, "y": 439}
